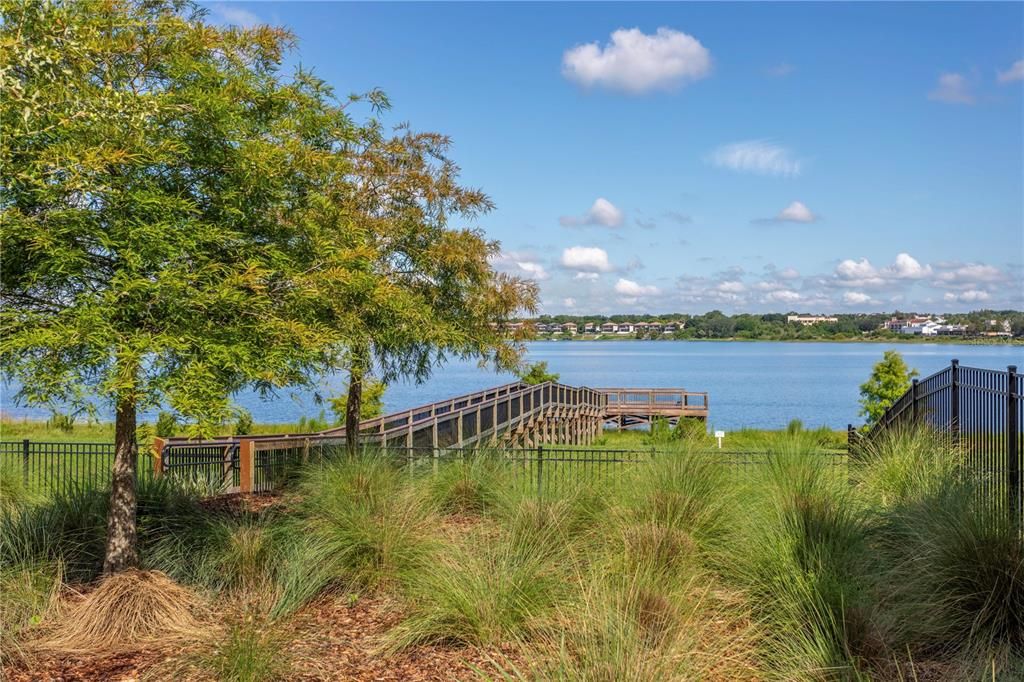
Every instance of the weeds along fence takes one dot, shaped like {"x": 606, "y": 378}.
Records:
{"x": 59, "y": 468}
{"x": 252, "y": 466}
{"x": 981, "y": 411}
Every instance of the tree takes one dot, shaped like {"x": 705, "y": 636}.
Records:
{"x": 371, "y": 405}
{"x": 167, "y": 217}
{"x": 537, "y": 373}
{"x": 426, "y": 287}
{"x": 890, "y": 379}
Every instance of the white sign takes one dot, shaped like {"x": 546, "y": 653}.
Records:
{"x": 719, "y": 435}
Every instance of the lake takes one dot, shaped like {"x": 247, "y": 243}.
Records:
{"x": 751, "y": 384}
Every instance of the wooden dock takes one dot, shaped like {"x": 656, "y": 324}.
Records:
{"x": 625, "y": 407}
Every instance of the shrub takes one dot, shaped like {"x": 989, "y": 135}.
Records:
{"x": 244, "y": 423}
{"x": 61, "y": 422}
{"x": 479, "y": 484}
{"x": 249, "y": 653}
{"x": 361, "y": 525}
{"x": 484, "y": 591}
{"x": 166, "y": 424}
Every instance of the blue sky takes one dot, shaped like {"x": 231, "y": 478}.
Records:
{"x": 685, "y": 157}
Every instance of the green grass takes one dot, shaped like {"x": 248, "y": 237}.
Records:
{"x": 682, "y": 566}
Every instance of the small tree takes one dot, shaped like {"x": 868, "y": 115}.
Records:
{"x": 371, "y": 405}
{"x": 889, "y": 380}
{"x": 536, "y": 373}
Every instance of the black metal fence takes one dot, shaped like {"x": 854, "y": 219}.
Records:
{"x": 58, "y": 467}
{"x": 981, "y": 410}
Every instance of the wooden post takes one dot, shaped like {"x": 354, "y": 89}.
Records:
{"x": 1012, "y": 436}
{"x": 246, "y": 465}
{"x": 158, "y": 457}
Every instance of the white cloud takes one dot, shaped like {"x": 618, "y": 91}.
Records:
{"x": 780, "y": 70}
{"x": 569, "y": 302}
{"x": 1014, "y": 73}
{"x": 856, "y": 298}
{"x": 907, "y": 267}
{"x": 756, "y": 156}
{"x": 731, "y": 287}
{"x": 586, "y": 276}
{"x": 967, "y": 274}
{"x": 856, "y": 269}
{"x": 236, "y": 15}
{"x": 602, "y": 212}
{"x": 953, "y": 88}
{"x": 789, "y": 273}
{"x": 626, "y": 287}
{"x": 796, "y": 212}
{"x": 969, "y": 296}
{"x": 591, "y": 259}
{"x": 522, "y": 264}
{"x": 635, "y": 62}
{"x": 783, "y": 296}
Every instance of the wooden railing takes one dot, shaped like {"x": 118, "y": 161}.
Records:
{"x": 655, "y": 402}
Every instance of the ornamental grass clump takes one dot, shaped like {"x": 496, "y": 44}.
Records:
{"x": 478, "y": 484}
{"x": 483, "y": 590}
{"x": 360, "y": 524}
{"x": 801, "y": 555}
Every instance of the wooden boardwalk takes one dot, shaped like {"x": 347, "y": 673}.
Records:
{"x": 511, "y": 415}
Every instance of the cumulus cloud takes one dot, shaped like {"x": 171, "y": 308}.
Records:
{"x": 235, "y": 15}
{"x": 569, "y": 302}
{"x": 756, "y": 156}
{"x": 635, "y": 62}
{"x": 627, "y": 287}
{"x": 968, "y": 274}
{"x": 789, "y": 273}
{"x": 907, "y": 267}
{"x": 796, "y": 212}
{"x": 856, "y": 298}
{"x": 969, "y": 296}
{"x": 783, "y": 296}
{"x": 590, "y": 259}
{"x": 731, "y": 287}
{"x": 1014, "y": 73}
{"x": 602, "y": 212}
{"x": 591, "y": 276}
{"x": 519, "y": 263}
{"x": 953, "y": 88}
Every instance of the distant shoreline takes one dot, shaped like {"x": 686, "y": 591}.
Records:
{"x": 909, "y": 340}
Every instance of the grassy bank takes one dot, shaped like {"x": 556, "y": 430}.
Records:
{"x": 673, "y": 569}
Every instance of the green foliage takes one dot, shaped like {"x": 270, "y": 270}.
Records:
{"x": 479, "y": 484}
{"x": 61, "y": 422}
{"x": 794, "y": 427}
{"x": 536, "y": 373}
{"x": 244, "y": 423}
{"x": 166, "y": 424}
{"x": 371, "y": 405}
{"x": 312, "y": 424}
{"x": 251, "y": 652}
{"x": 29, "y": 591}
{"x": 890, "y": 379}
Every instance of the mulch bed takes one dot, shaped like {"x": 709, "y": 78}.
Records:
{"x": 336, "y": 640}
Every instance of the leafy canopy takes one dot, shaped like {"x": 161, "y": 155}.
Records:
{"x": 889, "y": 380}
{"x": 371, "y": 404}
{"x": 166, "y": 207}
{"x": 536, "y": 373}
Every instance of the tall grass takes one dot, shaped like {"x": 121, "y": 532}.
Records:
{"x": 478, "y": 484}
{"x": 361, "y": 525}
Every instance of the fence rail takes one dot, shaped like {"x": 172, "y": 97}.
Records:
{"x": 982, "y": 412}
{"x": 265, "y": 467}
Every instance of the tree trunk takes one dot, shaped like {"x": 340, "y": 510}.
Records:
{"x": 353, "y": 408}
{"x": 121, "y": 550}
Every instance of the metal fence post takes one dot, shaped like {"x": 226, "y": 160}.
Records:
{"x": 540, "y": 470}
{"x": 25, "y": 449}
{"x": 1012, "y": 435}
{"x": 913, "y": 400}
{"x": 954, "y": 401}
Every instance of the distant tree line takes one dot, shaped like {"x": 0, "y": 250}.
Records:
{"x": 773, "y": 326}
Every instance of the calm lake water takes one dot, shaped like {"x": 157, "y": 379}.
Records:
{"x": 751, "y": 384}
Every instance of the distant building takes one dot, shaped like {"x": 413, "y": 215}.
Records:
{"x": 609, "y": 328}
{"x": 806, "y": 320}
{"x": 589, "y": 328}
{"x": 569, "y": 328}
{"x": 625, "y": 328}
